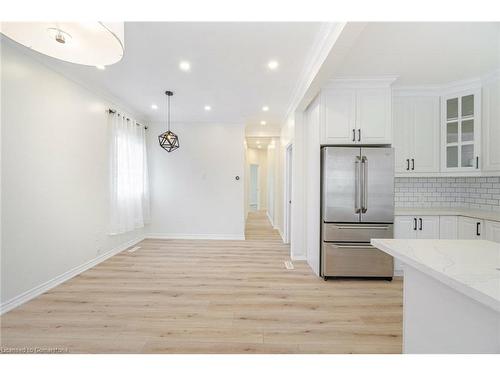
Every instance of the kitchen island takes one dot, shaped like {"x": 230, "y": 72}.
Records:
{"x": 451, "y": 294}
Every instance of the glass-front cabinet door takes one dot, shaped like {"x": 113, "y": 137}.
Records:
{"x": 461, "y": 131}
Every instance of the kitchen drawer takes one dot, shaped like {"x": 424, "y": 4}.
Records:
{"x": 358, "y": 260}
{"x": 357, "y": 232}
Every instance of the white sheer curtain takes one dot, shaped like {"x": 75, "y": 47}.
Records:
{"x": 129, "y": 175}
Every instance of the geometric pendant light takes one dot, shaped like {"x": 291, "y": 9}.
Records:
{"x": 169, "y": 140}
{"x": 87, "y": 43}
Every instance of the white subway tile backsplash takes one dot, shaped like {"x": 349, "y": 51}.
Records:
{"x": 466, "y": 192}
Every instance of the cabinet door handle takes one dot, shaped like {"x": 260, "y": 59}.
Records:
{"x": 477, "y": 162}
{"x": 412, "y": 164}
{"x": 414, "y": 223}
{"x": 408, "y": 167}
{"x": 478, "y": 225}
{"x": 353, "y": 135}
{"x": 420, "y": 223}
{"x": 359, "y": 135}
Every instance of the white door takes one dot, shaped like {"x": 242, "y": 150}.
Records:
{"x": 448, "y": 227}
{"x": 254, "y": 187}
{"x": 338, "y": 116}
{"x": 405, "y": 227}
{"x": 469, "y": 228}
{"x": 492, "y": 230}
{"x": 402, "y": 120}
{"x": 428, "y": 227}
{"x": 373, "y": 116}
{"x": 425, "y": 157}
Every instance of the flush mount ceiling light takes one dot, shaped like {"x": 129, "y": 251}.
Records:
{"x": 154, "y": 106}
{"x": 207, "y": 108}
{"x": 273, "y": 64}
{"x": 168, "y": 140}
{"x": 92, "y": 43}
{"x": 265, "y": 108}
{"x": 185, "y": 66}
{"x": 263, "y": 123}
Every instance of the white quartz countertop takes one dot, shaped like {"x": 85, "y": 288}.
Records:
{"x": 448, "y": 211}
{"x": 471, "y": 267}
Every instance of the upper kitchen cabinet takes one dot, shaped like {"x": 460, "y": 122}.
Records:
{"x": 416, "y": 133}
{"x": 338, "y": 114}
{"x": 491, "y": 125}
{"x": 356, "y": 112}
{"x": 461, "y": 131}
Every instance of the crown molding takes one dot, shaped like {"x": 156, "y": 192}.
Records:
{"x": 362, "y": 82}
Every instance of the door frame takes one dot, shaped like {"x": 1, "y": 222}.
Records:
{"x": 288, "y": 193}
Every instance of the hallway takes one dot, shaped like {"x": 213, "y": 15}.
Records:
{"x": 207, "y": 296}
{"x": 258, "y": 227}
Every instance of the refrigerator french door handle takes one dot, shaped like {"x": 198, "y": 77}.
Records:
{"x": 357, "y": 200}
{"x": 364, "y": 194}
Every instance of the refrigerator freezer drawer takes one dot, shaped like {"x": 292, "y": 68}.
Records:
{"x": 355, "y": 232}
{"x": 355, "y": 260}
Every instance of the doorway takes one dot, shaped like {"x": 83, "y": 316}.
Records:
{"x": 254, "y": 188}
{"x": 288, "y": 193}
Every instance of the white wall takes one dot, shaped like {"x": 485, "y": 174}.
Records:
{"x": 272, "y": 176}
{"x": 54, "y": 175}
{"x": 292, "y": 133}
{"x": 194, "y": 193}
{"x": 313, "y": 186}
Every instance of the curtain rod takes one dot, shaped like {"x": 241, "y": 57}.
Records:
{"x": 126, "y": 118}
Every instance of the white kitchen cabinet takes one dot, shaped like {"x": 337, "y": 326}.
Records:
{"x": 492, "y": 230}
{"x": 448, "y": 227}
{"x": 355, "y": 113}
{"x": 416, "y": 134}
{"x": 404, "y": 227}
{"x": 470, "y": 228}
{"x": 491, "y": 125}
{"x": 338, "y": 114}
{"x": 461, "y": 131}
{"x": 416, "y": 227}
{"x": 373, "y": 116}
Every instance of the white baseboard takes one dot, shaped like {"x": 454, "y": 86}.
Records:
{"x": 42, "y": 288}
{"x": 180, "y": 236}
{"x": 269, "y": 218}
{"x": 298, "y": 257}
{"x": 398, "y": 272}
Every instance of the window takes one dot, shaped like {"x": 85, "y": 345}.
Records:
{"x": 129, "y": 186}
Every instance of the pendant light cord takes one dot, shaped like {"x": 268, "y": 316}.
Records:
{"x": 168, "y": 111}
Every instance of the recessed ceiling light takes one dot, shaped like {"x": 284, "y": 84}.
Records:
{"x": 207, "y": 108}
{"x": 100, "y": 67}
{"x": 265, "y": 108}
{"x": 258, "y": 142}
{"x": 154, "y": 106}
{"x": 259, "y": 146}
{"x": 273, "y": 64}
{"x": 263, "y": 123}
{"x": 185, "y": 66}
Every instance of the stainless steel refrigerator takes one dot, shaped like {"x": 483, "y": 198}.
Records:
{"x": 357, "y": 205}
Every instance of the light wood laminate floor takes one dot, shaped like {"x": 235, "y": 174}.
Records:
{"x": 187, "y": 296}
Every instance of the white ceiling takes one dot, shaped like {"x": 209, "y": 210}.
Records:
{"x": 259, "y": 142}
{"x": 424, "y": 52}
{"x": 228, "y": 69}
